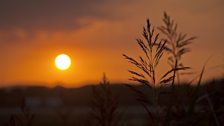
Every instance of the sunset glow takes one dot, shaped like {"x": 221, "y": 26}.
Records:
{"x": 32, "y": 34}
{"x": 89, "y": 62}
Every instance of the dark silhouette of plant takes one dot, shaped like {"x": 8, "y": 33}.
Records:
{"x": 149, "y": 62}
{"x": 153, "y": 50}
{"x": 190, "y": 116}
{"x": 177, "y": 44}
{"x": 104, "y": 105}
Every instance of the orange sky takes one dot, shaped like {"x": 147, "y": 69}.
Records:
{"x": 95, "y": 35}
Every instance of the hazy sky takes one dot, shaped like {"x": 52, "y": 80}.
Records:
{"x": 95, "y": 33}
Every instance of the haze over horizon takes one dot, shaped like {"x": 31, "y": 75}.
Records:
{"x": 95, "y": 34}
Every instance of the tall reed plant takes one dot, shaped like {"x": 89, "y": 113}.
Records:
{"x": 104, "y": 105}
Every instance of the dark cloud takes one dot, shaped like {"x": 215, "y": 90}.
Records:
{"x": 52, "y": 14}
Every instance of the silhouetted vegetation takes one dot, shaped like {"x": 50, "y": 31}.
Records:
{"x": 104, "y": 105}
{"x": 177, "y": 44}
{"x": 175, "y": 112}
{"x": 45, "y": 114}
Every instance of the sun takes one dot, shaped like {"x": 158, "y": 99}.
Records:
{"x": 62, "y": 61}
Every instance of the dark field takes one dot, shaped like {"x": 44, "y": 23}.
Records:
{"x": 72, "y": 106}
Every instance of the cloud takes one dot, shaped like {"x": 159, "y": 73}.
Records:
{"x": 53, "y": 14}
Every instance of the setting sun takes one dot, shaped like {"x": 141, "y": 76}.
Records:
{"x": 62, "y": 62}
